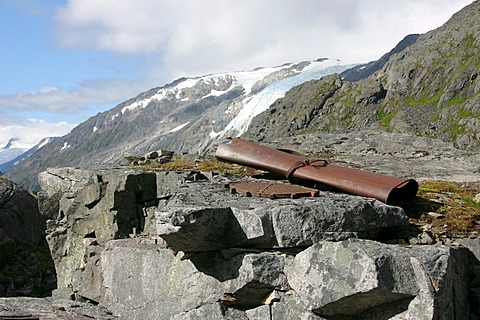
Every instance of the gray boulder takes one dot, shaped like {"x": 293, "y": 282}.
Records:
{"x": 169, "y": 245}
{"x": 64, "y": 179}
{"x": 362, "y": 279}
{"x": 162, "y": 285}
{"x": 88, "y": 208}
{"x": 204, "y": 216}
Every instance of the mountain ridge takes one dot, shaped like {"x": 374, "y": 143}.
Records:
{"x": 429, "y": 88}
{"x": 187, "y": 115}
{"x": 365, "y": 70}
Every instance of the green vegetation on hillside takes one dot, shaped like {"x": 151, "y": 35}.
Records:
{"x": 426, "y": 97}
{"x": 450, "y": 209}
{"x": 385, "y": 117}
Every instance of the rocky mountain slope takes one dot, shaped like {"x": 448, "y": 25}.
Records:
{"x": 430, "y": 88}
{"x": 365, "y": 70}
{"x": 187, "y": 115}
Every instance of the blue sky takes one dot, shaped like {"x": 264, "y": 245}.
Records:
{"x": 63, "y": 61}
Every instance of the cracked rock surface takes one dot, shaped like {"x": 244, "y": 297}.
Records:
{"x": 175, "y": 245}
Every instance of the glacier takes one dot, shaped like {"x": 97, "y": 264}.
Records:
{"x": 261, "y": 88}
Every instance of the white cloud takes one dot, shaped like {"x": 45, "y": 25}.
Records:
{"x": 197, "y": 37}
{"x": 74, "y": 100}
{"x": 30, "y": 131}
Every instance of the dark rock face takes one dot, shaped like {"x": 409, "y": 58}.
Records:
{"x": 20, "y": 222}
{"x": 21, "y": 234}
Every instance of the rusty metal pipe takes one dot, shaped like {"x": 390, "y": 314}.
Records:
{"x": 359, "y": 182}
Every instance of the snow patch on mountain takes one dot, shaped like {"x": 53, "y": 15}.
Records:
{"x": 18, "y": 143}
{"x": 13, "y": 148}
{"x": 44, "y": 142}
{"x": 245, "y": 79}
{"x": 260, "y": 102}
{"x": 180, "y": 127}
{"x": 65, "y": 146}
{"x": 262, "y": 86}
{"x": 216, "y": 93}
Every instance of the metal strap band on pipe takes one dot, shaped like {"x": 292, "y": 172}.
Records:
{"x": 359, "y": 182}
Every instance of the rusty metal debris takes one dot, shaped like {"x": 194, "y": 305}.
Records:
{"x": 271, "y": 190}
{"x": 359, "y": 182}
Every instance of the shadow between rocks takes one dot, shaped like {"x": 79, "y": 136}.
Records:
{"x": 228, "y": 234}
{"x": 214, "y": 264}
{"x": 373, "y": 305}
{"x": 28, "y": 273}
{"x": 418, "y": 205}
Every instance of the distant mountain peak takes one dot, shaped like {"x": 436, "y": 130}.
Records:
{"x": 11, "y": 156}
{"x": 9, "y": 143}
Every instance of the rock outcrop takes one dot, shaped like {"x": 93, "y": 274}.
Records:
{"x": 20, "y": 222}
{"x": 177, "y": 245}
{"x": 365, "y": 70}
{"x": 22, "y": 231}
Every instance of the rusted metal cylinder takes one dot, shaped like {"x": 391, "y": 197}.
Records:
{"x": 359, "y": 182}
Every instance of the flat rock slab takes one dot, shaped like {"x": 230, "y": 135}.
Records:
{"x": 402, "y": 155}
{"x": 205, "y": 216}
{"x": 37, "y": 308}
